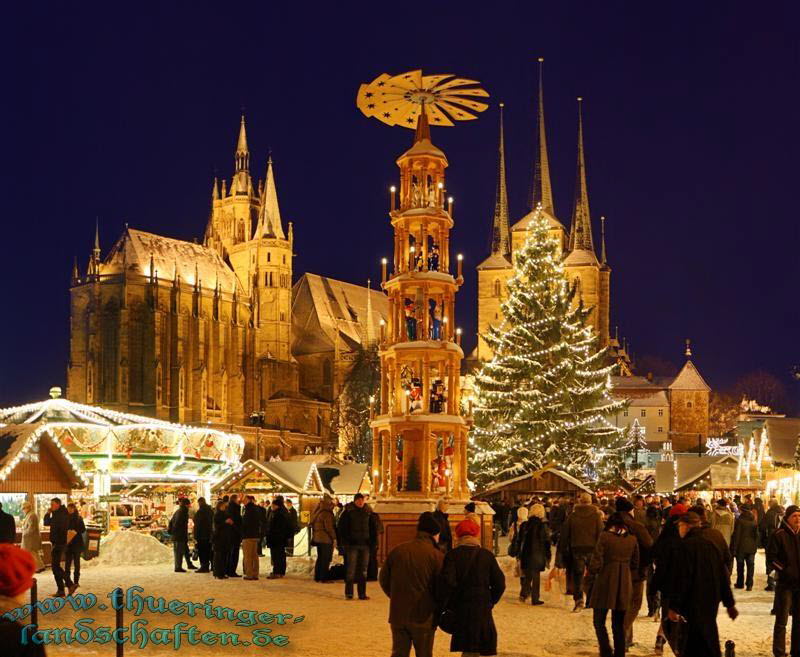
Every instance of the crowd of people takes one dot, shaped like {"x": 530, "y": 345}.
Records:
{"x": 615, "y": 555}
{"x": 680, "y": 559}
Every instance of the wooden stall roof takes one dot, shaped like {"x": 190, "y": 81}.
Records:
{"x": 546, "y": 480}
{"x": 33, "y": 460}
{"x": 299, "y": 477}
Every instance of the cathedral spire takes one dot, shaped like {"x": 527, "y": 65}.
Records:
{"x": 369, "y": 330}
{"x": 580, "y": 237}
{"x": 269, "y": 217}
{"x": 96, "y": 250}
{"x": 501, "y": 237}
{"x": 215, "y": 190}
{"x": 541, "y": 190}
{"x": 75, "y": 275}
{"x": 602, "y": 240}
{"x": 242, "y": 152}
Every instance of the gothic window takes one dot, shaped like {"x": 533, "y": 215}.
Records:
{"x": 644, "y": 412}
{"x": 284, "y": 258}
{"x": 283, "y": 316}
{"x": 109, "y": 353}
{"x": 688, "y": 404}
{"x": 241, "y": 231}
{"x": 497, "y": 287}
{"x": 269, "y": 256}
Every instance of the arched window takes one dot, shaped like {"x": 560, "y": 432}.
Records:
{"x": 269, "y": 256}
{"x": 497, "y": 287}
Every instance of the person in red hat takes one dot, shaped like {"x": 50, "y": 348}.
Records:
{"x": 16, "y": 578}
{"x": 471, "y": 584}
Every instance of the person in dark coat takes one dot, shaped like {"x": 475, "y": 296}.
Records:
{"x": 8, "y": 527}
{"x": 251, "y": 535}
{"x": 534, "y": 553}
{"x": 769, "y": 525}
{"x": 610, "y": 582}
{"x": 471, "y": 584}
{"x": 263, "y": 515}
{"x": 17, "y": 567}
{"x": 235, "y": 513}
{"x": 744, "y": 543}
{"x": 645, "y": 542}
{"x": 714, "y": 536}
{"x": 57, "y": 519}
{"x": 557, "y": 518}
{"x": 357, "y": 531}
{"x": 783, "y": 555}
{"x": 278, "y": 533}
{"x": 294, "y": 524}
{"x": 72, "y": 555}
{"x": 323, "y": 537}
{"x": 203, "y": 525}
{"x": 701, "y": 583}
{"x": 652, "y": 523}
{"x": 445, "y": 541}
{"x": 665, "y": 552}
{"x": 222, "y": 540}
{"x": 409, "y": 578}
{"x": 578, "y": 537}
{"x": 179, "y": 531}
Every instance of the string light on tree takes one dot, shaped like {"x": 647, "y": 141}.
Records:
{"x": 545, "y": 396}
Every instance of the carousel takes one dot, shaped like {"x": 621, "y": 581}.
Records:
{"x": 123, "y": 454}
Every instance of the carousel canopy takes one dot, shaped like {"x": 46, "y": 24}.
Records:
{"x": 129, "y": 447}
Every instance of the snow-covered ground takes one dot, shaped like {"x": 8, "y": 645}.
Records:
{"x": 340, "y": 628}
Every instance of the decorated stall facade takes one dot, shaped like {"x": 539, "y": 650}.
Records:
{"x": 119, "y": 451}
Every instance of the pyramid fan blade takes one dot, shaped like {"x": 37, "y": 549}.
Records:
{"x": 458, "y": 113}
{"x": 455, "y": 82}
{"x": 467, "y": 91}
{"x": 430, "y": 81}
{"x": 436, "y": 116}
{"x": 472, "y": 104}
{"x": 409, "y": 81}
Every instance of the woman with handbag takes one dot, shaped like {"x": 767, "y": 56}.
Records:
{"x": 471, "y": 584}
{"x": 533, "y": 554}
{"x": 610, "y": 584}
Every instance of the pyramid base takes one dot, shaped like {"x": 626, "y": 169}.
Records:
{"x": 399, "y": 517}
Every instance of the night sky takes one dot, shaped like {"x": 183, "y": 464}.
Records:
{"x": 126, "y": 110}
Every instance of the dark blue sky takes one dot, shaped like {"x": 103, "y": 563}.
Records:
{"x": 124, "y": 111}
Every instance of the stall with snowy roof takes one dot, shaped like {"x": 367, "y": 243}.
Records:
{"x": 124, "y": 453}
{"x": 546, "y": 481}
{"x": 298, "y": 481}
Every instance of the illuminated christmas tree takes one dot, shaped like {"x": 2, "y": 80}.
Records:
{"x": 545, "y": 396}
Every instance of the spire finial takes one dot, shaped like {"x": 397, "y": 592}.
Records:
{"x": 501, "y": 239}
{"x": 75, "y": 274}
{"x": 688, "y": 352}
{"x": 423, "y": 127}
{"x": 541, "y": 189}
{"x": 242, "y": 152}
{"x": 215, "y": 190}
{"x": 97, "y": 237}
{"x": 602, "y": 240}
{"x": 581, "y": 228}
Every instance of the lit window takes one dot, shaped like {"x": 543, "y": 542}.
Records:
{"x": 660, "y": 412}
{"x": 660, "y": 429}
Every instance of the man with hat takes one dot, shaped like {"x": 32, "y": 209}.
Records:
{"x": 701, "y": 583}
{"x": 408, "y": 577}
{"x": 783, "y": 555}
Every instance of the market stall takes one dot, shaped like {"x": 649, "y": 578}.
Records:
{"x": 547, "y": 481}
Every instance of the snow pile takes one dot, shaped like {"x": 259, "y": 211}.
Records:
{"x": 131, "y": 548}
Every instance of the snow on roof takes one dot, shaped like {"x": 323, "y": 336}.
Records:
{"x": 323, "y": 306}
{"x": 782, "y": 434}
{"x": 495, "y": 261}
{"x": 580, "y": 257}
{"x": 692, "y": 468}
{"x": 689, "y": 379}
{"x": 135, "y": 248}
{"x": 346, "y": 479}
{"x": 528, "y": 475}
{"x": 524, "y": 223}
{"x": 17, "y": 439}
{"x": 657, "y": 399}
{"x": 297, "y": 476}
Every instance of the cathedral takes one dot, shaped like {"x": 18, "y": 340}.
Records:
{"x": 678, "y": 406}
{"x": 205, "y": 333}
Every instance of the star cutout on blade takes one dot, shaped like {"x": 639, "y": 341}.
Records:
{"x": 386, "y": 115}
{"x": 409, "y": 120}
{"x": 380, "y": 84}
{"x": 368, "y": 94}
{"x": 371, "y": 105}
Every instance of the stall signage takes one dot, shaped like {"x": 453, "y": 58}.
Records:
{"x": 720, "y": 447}
{"x": 110, "y": 498}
